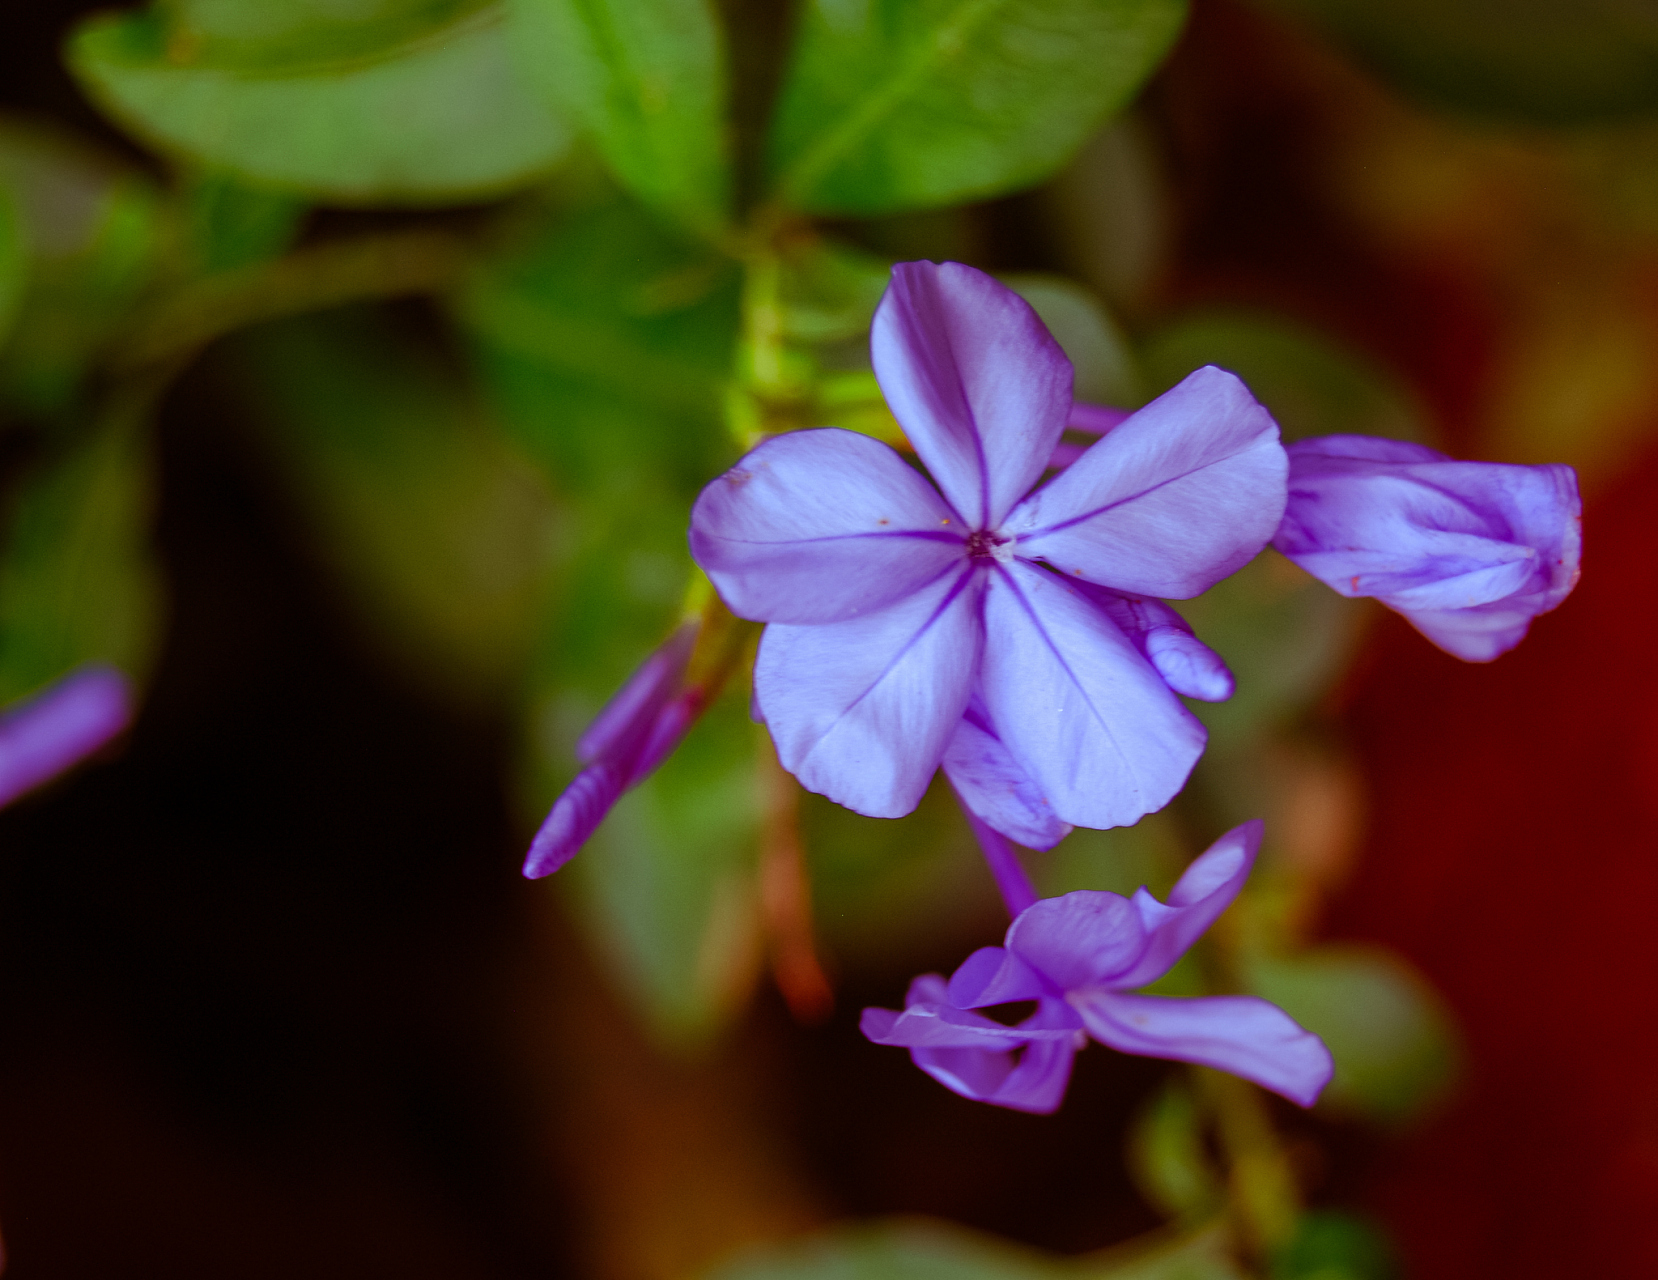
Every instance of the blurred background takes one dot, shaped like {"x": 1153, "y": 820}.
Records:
{"x": 359, "y": 417}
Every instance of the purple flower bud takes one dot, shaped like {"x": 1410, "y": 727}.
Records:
{"x": 1079, "y": 957}
{"x": 637, "y": 730}
{"x": 913, "y": 626}
{"x": 1468, "y": 552}
{"x": 60, "y": 726}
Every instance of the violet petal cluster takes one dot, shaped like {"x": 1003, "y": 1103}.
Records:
{"x": 60, "y": 726}
{"x": 1012, "y": 636}
{"x": 638, "y": 728}
{"x": 1080, "y": 957}
{"x": 1469, "y": 552}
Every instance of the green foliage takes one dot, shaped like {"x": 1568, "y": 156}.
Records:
{"x": 1393, "y": 1042}
{"x": 667, "y": 884}
{"x": 77, "y": 580}
{"x": 1330, "y": 1245}
{"x": 1552, "y": 62}
{"x": 903, "y": 104}
{"x": 921, "y": 1249}
{"x": 232, "y": 225}
{"x": 421, "y": 104}
{"x": 92, "y": 233}
{"x": 1312, "y": 384}
{"x": 14, "y": 263}
{"x": 646, "y": 78}
{"x": 1167, "y": 1157}
{"x": 435, "y": 524}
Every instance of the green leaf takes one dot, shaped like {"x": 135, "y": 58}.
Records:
{"x": 436, "y": 114}
{"x": 646, "y": 78}
{"x": 904, "y": 104}
{"x": 1313, "y": 384}
{"x": 78, "y": 581}
{"x": 1331, "y": 1245}
{"x": 92, "y": 232}
{"x": 1394, "y": 1044}
{"x": 1552, "y": 62}
{"x": 14, "y": 263}
{"x": 922, "y": 1249}
{"x": 667, "y": 885}
{"x": 437, "y": 527}
{"x": 230, "y": 224}
{"x": 1168, "y": 1158}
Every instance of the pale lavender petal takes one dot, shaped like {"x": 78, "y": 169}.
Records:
{"x": 1186, "y": 491}
{"x": 575, "y": 816}
{"x": 1240, "y": 1034}
{"x": 1086, "y": 419}
{"x": 862, "y": 710}
{"x": 939, "y": 1026}
{"x": 638, "y": 702}
{"x": 1011, "y": 881}
{"x": 1200, "y": 895}
{"x": 1187, "y": 665}
{"x": 994, "y": 975}
{"x": 60, "y": 726}
{"x": 1081, "y": 939}
{"x": 1034, "y": 1083}
{"x": 819, "y": 526}
{"x": 995, "y": 789}
{"x": 976, "y": 381}
{"x": 1469, "y": 552}
{"x": 1077, "y": 705}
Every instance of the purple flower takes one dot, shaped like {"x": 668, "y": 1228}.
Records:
{"x": 1079, "y": 957}
{"x": 980, "y": 625}
{"x": 60, "y": 726}
{"x": 634, "y": 733}
{"x": 1469, "y": 552}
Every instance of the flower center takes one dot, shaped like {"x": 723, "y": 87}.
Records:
{"x": 986, "y": 544}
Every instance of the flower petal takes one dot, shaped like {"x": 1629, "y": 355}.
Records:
{"x": 1035, "y": 1082}
{"x": 60, "y": 726}
{"x": 938, "y": 1026}
{"x": 819, "y": 526}
{"x": 1241, "y": 1034}
{"x": 862, "y": 710}
{"x": 575, "y": 816}
{"x": 1183, "y": 493}
{"x": 1205, "y": 890}
{"x": 637, "y": 703}
{"x": 994, "y": 787}
{"x": 1005, "y": 868}
{"x": 973, "y": 376}
{"x": 1077, "y": 705}
{"x": 994, "y": 975}
{"x": 1077, "y": 940}
{"x": 1187, "y": 665}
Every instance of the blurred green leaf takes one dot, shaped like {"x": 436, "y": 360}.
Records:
{"x": 902, "y": 104}
{"x": 435, "y": 113}
{"x": 14, "y": 263}
{"x": 921, "y": 1249}
{"x": 1552, "y": 62}
{"x": 1168, "y": 1158}
{"x": 1394, "y": 1045}
{"x": 78, "y": 581}
{"x": 439, "y": 530}
{"x": 667, "y": 884}
{"x": 1105, "y": 368}
{"x": 1330, "y": 1245}
{"x": 230, "y": 224}
{"x": 91, "y": 230}
{"x": 829, "y": 292}
{"x": 647, "y": 80}
{"x": 1312, "y": 384}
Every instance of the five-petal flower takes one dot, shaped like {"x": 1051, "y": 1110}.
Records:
{"x": 1080, "y": 957}
{"x": 977, "y": 625}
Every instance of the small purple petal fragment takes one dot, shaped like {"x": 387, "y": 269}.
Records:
{"x": 1244, "y": 1035}
{"x": 994, "y": 975}
{"x": 60, "y": 726}
{"x": 1183, "y": 493}
{"x": 819, "y": 526}
{"x": 1087, "y": 716}
{"x": 575, "y": 816}
{"x": 973, "y": 376}
{"x": 1187, "y": 665}
{"x": 1205, "y": 890}
{"x": 861, "y": 711}
{"x": 1468, "y": 552}
{"x": 636, "y": 703}
{"x": 995, "y": 790}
